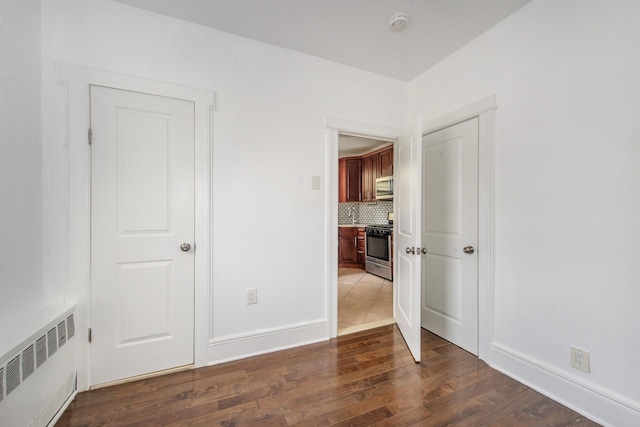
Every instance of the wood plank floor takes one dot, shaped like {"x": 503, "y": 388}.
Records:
{"x": 363, "y": 379}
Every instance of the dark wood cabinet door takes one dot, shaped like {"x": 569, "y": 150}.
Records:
{"x": 347, "y": 246}
{"x": 349, "y": 176}
{"x": 361, "y": 249}
{"x": 342, "y": 180}
{"x": 386, "y": 163}
{"x": 368, "y": 192}
{"x": 353, "y": 180}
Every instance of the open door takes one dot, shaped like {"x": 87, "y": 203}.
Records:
{"x": 408, "y": 250}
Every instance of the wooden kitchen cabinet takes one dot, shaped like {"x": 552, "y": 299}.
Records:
{"x": 385, "y": 163}
{"x": 357, "y": 175}
{"x": 369, "y": 167}
{"x": 361, "y": 248}
{"x": 348, "y": 247}
{"x": 375, "y": 165}
{"x": 349, "y": 180}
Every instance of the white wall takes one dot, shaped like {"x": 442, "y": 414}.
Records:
{"x": 21, "y": 287}
{"x": 269, "y": 139}
{"x": 567, "y": 156}
{"x": 25, "y": 300}
{"x": 566, "y": 183}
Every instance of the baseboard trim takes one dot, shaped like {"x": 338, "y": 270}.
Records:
{"x": 63, "y": 408}
{"x": 594, "y": 402}
{"x": 142, "y": 376}
{"x": 226, "y": 349}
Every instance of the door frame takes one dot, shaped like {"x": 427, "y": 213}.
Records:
{"x": 335, "y": 126}
{"x": 484, "y": 109}
{"x": 76, "y": 80}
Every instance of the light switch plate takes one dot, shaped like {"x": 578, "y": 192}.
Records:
{"x": 252, "y": 296}
{"x": 315, "y": 182}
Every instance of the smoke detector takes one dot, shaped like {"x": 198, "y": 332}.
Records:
{"x": 398, "y": 22}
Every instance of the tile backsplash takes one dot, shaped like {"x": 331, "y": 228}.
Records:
{"x": 365, "y": 213}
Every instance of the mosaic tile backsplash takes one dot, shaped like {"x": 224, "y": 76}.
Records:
{"x": 365, "y": 213}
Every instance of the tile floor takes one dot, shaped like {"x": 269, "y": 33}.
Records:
{"x": 364, "y": 301}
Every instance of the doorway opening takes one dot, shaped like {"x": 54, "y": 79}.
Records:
{"x": 365, "y": 288}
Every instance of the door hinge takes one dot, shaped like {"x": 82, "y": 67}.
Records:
{"x": 90, "y": 335}
{"x": 90, "y": 136}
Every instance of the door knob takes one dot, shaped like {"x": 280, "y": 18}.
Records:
{"x": 411, "y": 250}
{"x": 421, "y": 251}
{"x": 185, "y": 247}
{"x": 468, "y": 250}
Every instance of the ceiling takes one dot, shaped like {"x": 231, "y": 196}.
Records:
{"x": 350, "y": 32}
{"x": 357, "y": 146}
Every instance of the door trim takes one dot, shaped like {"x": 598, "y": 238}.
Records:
{"x": 76, "y": 80}
{"x": 335, "y": 126}
{"x": 484, "y": 109}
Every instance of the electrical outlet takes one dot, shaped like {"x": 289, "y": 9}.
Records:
{"x": 252, "y": 296}
{"x": 580, "y": 359}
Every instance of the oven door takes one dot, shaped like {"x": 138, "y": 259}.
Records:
{"x": 378, "y": 249}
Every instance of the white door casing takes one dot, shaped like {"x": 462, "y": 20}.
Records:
{"x": 407, "y": 264}
{"x": 450, "y": 224}
{"x": 142, "y": 283}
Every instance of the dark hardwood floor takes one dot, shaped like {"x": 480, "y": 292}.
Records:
{"x": 362, "y": 379}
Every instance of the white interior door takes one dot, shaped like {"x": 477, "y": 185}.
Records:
{"x": 142, "y": 281}
{"x": 450, "y": 234}
{"x": 407, "y": 262}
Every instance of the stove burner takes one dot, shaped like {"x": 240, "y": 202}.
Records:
{"x": 378, "y": 229}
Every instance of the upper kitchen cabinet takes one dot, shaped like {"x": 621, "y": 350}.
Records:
{"x": 385, "y": 163}
{"x": 357, "y": 175}
{"x": 375, "y": 165}
{"x": 369, "y": 175}
{"x": 349, "y": 176}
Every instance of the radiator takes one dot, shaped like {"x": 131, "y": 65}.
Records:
{"x": 38, "y": 374}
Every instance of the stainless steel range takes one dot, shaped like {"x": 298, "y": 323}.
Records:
{"x": 378, "y": 250}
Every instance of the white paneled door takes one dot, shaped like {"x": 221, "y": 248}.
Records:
{"x": 408, "y": 261}
{"x": 142, "y": 231}
{"x": 450, "y": 234}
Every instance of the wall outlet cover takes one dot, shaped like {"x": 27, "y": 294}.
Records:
{"x": 580, "y": 359}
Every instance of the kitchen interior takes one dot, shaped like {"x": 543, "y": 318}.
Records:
{"x": 365, "y": 233}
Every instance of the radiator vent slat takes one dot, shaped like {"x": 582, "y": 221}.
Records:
{"x": 71, "y": 327}
{"x": 29, "y": 356}
{"x": 52, "y": 341}
{"x": 28, "y": 365}
{"x": 1, "y": 384}
{"x": 41, "y": 351}
{"x": 13, "y": 374}
{"x": 62, "y": 333}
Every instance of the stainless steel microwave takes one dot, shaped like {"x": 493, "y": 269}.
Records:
{"x": 384, "y": 188}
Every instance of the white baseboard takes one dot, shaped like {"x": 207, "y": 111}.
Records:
{"x": 63, "y": 408}
{"x": 596, "y": 403}
{"x": 226, "y": 349}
